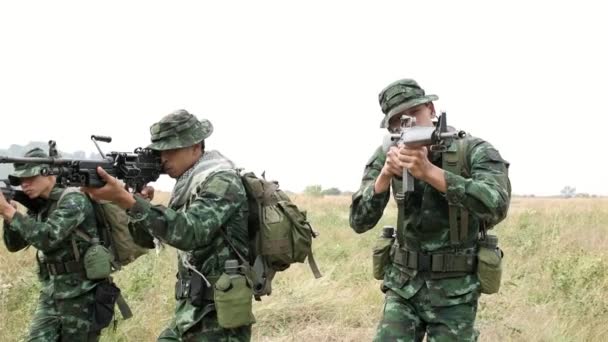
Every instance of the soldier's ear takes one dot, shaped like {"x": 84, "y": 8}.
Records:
{"x": 432, "y": 106}
{"x": 197, "y": 147}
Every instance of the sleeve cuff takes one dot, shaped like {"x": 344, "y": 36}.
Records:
{"x": 139, "y": 211}
{"x": 456, "y": 188}
{"x": 370, "y": 196}
{"x": 16, "y": 222}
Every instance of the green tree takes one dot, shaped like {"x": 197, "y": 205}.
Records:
{"x": 313, "y": 190}
{"x": 331, "y": 192}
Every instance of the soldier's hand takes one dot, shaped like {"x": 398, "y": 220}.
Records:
{"x": 3, "y": 202}
{"x": 147, "y": 192}
{"x": 393, "y": 165}
{"x": 6, "y": 209}
{"x": 416, "y": 160}
{"x": 112, "y": 191}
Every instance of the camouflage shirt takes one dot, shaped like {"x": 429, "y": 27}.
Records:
{"x": 219, "y": 202}
{"x": 425, "y": 227}
{"x": 51, "y": 231}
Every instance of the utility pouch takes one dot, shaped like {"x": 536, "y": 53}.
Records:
{"x": 106, "y": 295}
{"x": 489, "y": 264}
{"x": 197, "y": 290}
{"x": 233, "y": 297}
{"x": 382, "y": 251}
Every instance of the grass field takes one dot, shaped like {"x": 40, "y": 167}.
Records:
{"x": 555, "y": 283}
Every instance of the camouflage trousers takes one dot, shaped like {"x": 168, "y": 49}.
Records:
{"x": 206, "y": 330}
{"x": 410, "y": 319}
{"x": 63, "y": 319}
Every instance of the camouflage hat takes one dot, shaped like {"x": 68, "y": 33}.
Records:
{"x": 28, "y": 170}
{"x": 400, "y": 96}
{"x": 179, "y": 129}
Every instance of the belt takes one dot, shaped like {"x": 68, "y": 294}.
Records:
{"x": 434, "y": 262}
{"x": 184, "y": 286}
{"x": 60, "y": 268}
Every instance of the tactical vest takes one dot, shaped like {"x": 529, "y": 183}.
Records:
{"x": 192, "y": 283}
{"x": 60, "y": 267}
{"x": 453, "y": 160}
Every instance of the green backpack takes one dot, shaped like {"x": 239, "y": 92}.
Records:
{"x": 279, "y": 233}
{"x": 113, "y": 229}
{"x": 114, "y": 222}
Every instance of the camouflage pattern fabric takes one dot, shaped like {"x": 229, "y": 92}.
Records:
{"x": 400, "y": 96}
{"x": 64, "y": 320}
{"x": 29, "y": 170}
{"x": 65, "y": 299}
{"x": 426, "y": 225}
{"x": 206, "y": 330}
{"x": 409, "y": 320}
{"x": 179, "y": 129}
{"x": 217, "y": 201}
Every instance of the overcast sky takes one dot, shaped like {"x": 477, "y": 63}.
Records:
{"x": 292, "y": 88}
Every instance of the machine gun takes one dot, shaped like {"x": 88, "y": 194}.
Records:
{"x": 438, "y": 138}
{"x": 136, "y": 169}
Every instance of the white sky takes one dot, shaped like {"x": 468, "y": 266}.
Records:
{"x": 291, "y": 88}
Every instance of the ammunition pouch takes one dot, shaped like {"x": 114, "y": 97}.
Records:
{"x": 194, "y": 289}
{"x": 489, "y": 267}
{"x": 381, "y": 256}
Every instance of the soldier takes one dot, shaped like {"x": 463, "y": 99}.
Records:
{"x": 206, "y": 220}
{"x": 67, "y": 301}
{"x": 430, "y": 282}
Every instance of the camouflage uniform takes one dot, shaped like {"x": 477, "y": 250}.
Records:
{"x": 66, "y": 304}
{"x": 207, "y": 198}
{"x": 425, "y": 299}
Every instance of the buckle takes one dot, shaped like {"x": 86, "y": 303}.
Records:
{"x": 399, "y": 196}
{"x": 424, "y": 262}
{"x": 185, "y": 288}
{"x": 51, "y": 269}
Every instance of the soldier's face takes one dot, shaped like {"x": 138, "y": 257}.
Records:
{"x": 423, "y": 114}
{"x": 179, "y": 160}
{"x": 37, "y": 186}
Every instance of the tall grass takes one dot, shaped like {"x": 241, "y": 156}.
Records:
{"x": 555, "y": 283}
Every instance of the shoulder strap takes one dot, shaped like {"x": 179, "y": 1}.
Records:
{"x": 454, "y": 160}
{"x": 67, "y": 191}
{"x": 225, "y": 235}
{"x": 78, "y": 231}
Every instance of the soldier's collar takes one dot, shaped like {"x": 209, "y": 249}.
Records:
{"x": 56, "y": 193}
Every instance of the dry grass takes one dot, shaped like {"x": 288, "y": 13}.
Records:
{"x": 554, "y": 286}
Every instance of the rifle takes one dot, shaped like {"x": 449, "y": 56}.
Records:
{"x": 438, "y": 138}
{"x": 11, "y": 193}
{"x": 136, "y": 169}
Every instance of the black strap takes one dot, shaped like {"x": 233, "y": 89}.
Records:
{"x": 313, "y": 266}
{"x": 225, "y": 235}
{"x": 60, "y": 268}
{"x": 124, "y": 308}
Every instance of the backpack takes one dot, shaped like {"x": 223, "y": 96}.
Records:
{"x": 113, "y": 230}
{"x": 279, "y": 233}
{"x": 114, "y": 223}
